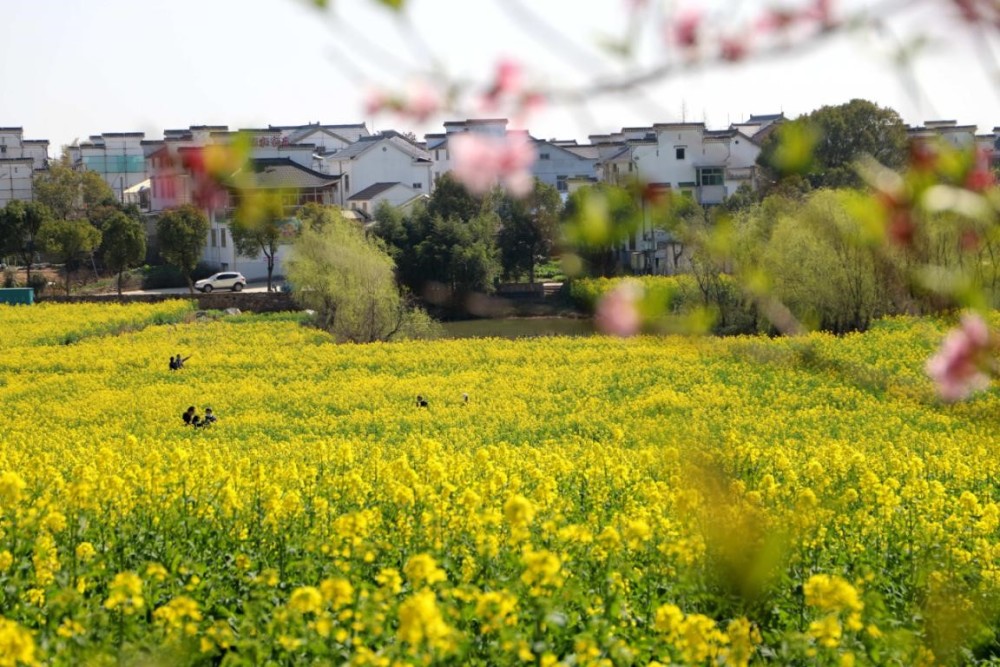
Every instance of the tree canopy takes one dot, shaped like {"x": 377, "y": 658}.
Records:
{"x": 529, "y": 228}
{"x": 123, "y": 243}
{"x": 68, "y": 240}
{"x": 181, "y": 234}
{"x": 348, "y": 279}
{"x": 72, "y": 194}
{"x": 824, "y": 145}
{"x": 19, "y": 225}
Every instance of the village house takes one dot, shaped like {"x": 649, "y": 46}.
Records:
{"x": 388, "y": 157}
{"x": 20, "y": 159}
{"x": 117, "y": 156}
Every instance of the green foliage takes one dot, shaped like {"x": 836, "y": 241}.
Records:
{"x": 123, "y": 243}
{"x": 164, "y": 275}
{"x": 451, "y": 200}
{"x": 69, "y": 193}
{"x": 825, "y": 145}
{"x": 181, "y": 234}
{"x": 596, "y": 221}
{"x": 529, "y": 229}
{"x": 257, "y": 226}
{"x": 429, "y": 249}
{"x": 19, "y": 225}
{"x": 348, "y": 279}
{"x": 68, "y": 240}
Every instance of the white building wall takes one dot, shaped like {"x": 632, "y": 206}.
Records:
{"x": 15, "y": 180}
{"x": 555, "y": 166}
{"x": 382, "y": 163}
{"x": 118, "y": 157}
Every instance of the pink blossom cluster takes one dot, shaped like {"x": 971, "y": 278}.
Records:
{"x": 957, "y": 368}
{"x": 688, "y": 28}
{"x": 617, "y": 312}
{"x": 481, "y": 162}
{"x": 419, "y": 101}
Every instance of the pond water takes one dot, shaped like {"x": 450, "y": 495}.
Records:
{"x": 518, "y": 327}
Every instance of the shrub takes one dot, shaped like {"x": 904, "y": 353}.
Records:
{"x": 164, "y": 275}
{"x": 39, "y": 283}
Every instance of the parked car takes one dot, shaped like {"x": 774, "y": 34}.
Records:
{"x": 226, "y": 280}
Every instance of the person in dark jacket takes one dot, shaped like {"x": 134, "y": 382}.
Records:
{"x": 189, "y": 416}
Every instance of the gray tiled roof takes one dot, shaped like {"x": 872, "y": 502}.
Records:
{"x": 280, "y": 173}
{"x": 371, "y": 191}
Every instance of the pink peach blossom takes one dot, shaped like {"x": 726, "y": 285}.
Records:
{"x": 481, "y": 162}
{"x": 957, "y": 368}
{"x": 686, "y": 28}
{"x": 617, "y": 312}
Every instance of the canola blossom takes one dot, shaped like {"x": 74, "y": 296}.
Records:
{"x": 596, "y": 501}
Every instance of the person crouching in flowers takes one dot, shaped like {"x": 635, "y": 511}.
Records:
{"x": 189, "y": 416}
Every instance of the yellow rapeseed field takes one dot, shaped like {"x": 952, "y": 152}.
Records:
{"x": 596, "y": 501}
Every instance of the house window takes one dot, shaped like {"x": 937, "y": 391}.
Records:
{"x": 710, "y": 176}
{"x": 347, "y": 183}
{"x": 680, "y": 150}
{"x": 214, "y": 239}
{"x": 222, "y": 237}
{"x": 416, "y": 186}
{"x": 225, "y": 266}
{"x": 543, "y": 156}
{"x": 561, "y": 183}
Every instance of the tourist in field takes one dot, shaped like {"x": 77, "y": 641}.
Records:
{"x": 421, "y": 403}
{"x": 189, "y": 416}
{"x": 197, "y": 422}
{"x": 210, "y": 417}
{"x": 173, "y": 363}
{"x": 180, "y": 362}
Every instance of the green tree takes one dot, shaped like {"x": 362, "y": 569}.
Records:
{"x": 450, "y": 199}
{"x": 257, "y": 227}
{"x": 68, "y": 241}
{"x": 72, "y": 194}
{"x": 123, "y": 243}
{"x": 528, "y": 229}
{"x": 598, "y": 220}
{"x": 348, "y": 279}
{"x": 181, "y": 234}
{"x": 825, "y": 144}
{"x": 19, "y": 225}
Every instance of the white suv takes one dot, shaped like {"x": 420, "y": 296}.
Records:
{"x": 226, "y": 280}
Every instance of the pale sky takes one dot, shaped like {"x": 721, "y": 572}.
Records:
{"x": 72, "y": 68}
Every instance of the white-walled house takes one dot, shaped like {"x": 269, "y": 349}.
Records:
{"x": 398, "y": 195}
{"x": 707, "y": 165}
{"x": 388, "y": 157}
{"x": 325, "y": 138}
{"x": 118, "y": 157}
{"x": 274, "y": 163}
{"x": 20, "y": 158}
{"x": 559, "y": 161}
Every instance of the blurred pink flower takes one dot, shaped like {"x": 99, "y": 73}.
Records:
{"x": 419, "y": 101}
{"x": 508, "y": 79}
{"x": 957, "y": 368}
{"x": 685, "y": 28}
{"x": 617, "y": 312}
{"x": 480, "y": 162}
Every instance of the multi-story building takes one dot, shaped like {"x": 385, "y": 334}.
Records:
{"x": 388, "y": 157}
{"x": 20, "y": 159}
{"x": 275, "y": 163}
{"x": 707, "y": 165}
{"x": 117, "y": 156}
